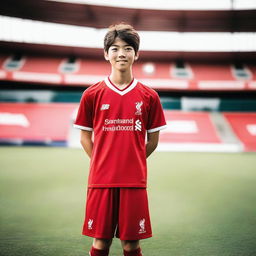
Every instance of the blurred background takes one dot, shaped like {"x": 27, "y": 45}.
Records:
{"x": 200, "y": 56}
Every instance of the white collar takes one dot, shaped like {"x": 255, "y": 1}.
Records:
{"x": 121, "y": 92}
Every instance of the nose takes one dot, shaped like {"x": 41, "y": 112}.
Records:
{"x": 121, "y": 53}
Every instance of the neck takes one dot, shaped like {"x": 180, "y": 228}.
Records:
{"x": 121, "y": 79}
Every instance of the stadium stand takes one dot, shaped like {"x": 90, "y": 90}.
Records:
{"x": 244, "y": 126}
{"x": 28, "y": 123}
{"x": 160, "y": 76}
{"x": 209, "y": 97}
{"x": 42, "y": 123}
{"x": 189, "y": 127}
{"x": 33, "y": 123}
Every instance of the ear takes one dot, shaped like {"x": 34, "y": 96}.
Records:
{"x": 136, "y": 56}
{"x": 106, "y": 56}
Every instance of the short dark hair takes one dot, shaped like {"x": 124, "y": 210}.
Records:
{"x": 125, "y": 32}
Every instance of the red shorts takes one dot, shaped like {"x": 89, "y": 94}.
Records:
{"x": 120, "y": 212}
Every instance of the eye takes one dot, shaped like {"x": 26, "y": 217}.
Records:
{"x": 114, "y": 49}
{"x": 128, "y": 48}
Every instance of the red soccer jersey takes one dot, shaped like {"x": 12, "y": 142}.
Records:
{"x": 119, "y": 120}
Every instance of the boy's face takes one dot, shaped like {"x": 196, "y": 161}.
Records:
{"x": 120, "y": 55}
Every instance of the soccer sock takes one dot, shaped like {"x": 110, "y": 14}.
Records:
{"x": 97, "y": 252}
{"x": 136, "y": 252}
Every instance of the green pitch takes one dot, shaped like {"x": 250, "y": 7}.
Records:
{"x": 201, "y": 204}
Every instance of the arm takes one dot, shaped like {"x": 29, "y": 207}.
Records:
{"x": 152, "y": 141}
{"x": 86, "y": 141}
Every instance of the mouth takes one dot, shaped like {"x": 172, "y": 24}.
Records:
{"x": 121, "y": 61}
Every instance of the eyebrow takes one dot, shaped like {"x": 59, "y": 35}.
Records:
{"x": 119, "y": 45}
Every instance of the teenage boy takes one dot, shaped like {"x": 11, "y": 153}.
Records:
{"x": 121, "y": 112}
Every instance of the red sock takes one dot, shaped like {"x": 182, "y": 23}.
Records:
{"x": 97, "y": 252}
{"x": 136, "y": 252}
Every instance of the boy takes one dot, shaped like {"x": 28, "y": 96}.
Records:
{"x": 120, "y": 111}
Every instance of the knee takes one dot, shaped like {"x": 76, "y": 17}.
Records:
{"x": 130, "y": 245}
{"x": 102, "y": 244}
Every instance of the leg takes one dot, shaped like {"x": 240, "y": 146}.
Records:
{"x": 130, "y": 245}
{"x": 134, "y": 221}
{"x": 102, "y": 244}
{"x": 100, "y": 247}
{"x": 99, "y": 221}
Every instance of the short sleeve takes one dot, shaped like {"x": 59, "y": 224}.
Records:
{"x": 156, "y": 119}
{"x": 84, "y": 118}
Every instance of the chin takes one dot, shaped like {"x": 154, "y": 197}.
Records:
{"x": 122, "y": 69}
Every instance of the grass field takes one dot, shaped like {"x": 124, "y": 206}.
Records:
{"x": 201, "y": 204}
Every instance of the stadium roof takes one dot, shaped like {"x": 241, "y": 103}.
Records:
{"x": 35, "y": 32}
{"x": 160, "y": 15}
{"x": 171, "y": 4}
{"x": 77, "y": 27}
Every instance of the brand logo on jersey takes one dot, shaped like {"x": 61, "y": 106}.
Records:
{"x": 104, "y": 106}
{"x": 90, "y": 222}
{"x": 142, "y": 226}
{"x": 138, "y": 108}
{"x": 138, "y": 125}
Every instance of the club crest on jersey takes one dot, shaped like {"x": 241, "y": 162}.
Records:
{"x": 138, "y": 107}
{"x": 142, "y": 226}
{"x": 90, "y": 222}
{"x": 104, "y": 106}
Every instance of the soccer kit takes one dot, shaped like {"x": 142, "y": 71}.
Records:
{"x": 116, "y": 198}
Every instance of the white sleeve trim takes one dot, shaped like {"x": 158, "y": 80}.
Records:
{"x": 82, "y": 127}
{"x": 157, "y": 129}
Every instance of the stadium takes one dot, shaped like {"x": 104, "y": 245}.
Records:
{"x": 200, "y": 58}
